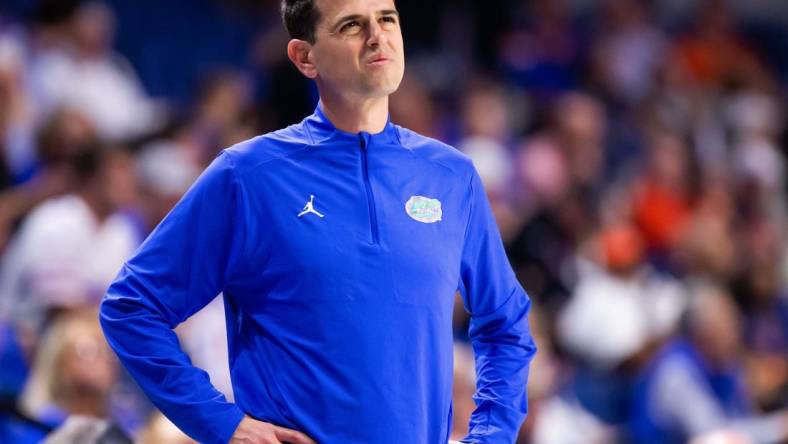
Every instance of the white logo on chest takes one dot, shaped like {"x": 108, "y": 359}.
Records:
{"x": 310, "y": 207}
{"x": 424, "y": 209}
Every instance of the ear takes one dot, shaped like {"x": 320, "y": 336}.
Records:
{"x": 300, "y": 53}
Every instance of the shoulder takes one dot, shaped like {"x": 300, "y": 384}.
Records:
{"x": 437, "y": 152}
{"x": 277, "y": 145}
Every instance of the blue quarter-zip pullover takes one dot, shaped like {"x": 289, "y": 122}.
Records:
{"x": 338, "y": 256}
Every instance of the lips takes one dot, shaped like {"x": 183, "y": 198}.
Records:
{"x": 378, "y": 60}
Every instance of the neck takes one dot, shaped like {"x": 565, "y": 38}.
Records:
{"x": 353, "y": 116}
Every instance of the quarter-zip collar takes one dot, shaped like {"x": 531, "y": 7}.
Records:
{"x": 322, "y": 130}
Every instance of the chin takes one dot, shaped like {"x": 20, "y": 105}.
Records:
{"x": 391, "y": 89}
{"x": 384, "y": 87}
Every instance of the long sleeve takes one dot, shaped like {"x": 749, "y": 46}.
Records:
{"x": 499, "y": 330}
{"x": 181, "y": 267}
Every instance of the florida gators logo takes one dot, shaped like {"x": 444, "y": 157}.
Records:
{"x": 424, "y": 209}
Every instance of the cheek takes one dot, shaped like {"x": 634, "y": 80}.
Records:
{"x": 336, "y": 62}
{"x": 398, "y": 44}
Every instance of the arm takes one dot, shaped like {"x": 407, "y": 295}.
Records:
{"x": 181, "y": 267}
{"x": 499, "y": 330}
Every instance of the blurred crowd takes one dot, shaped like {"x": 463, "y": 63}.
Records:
{"x": 634, "y": 155}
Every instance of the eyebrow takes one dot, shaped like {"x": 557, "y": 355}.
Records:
{"x": 347, "y": 18}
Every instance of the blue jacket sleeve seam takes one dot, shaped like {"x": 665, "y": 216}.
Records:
{"x": 235, "y": 246}
{"x": 470, "y": 213}
{"x": 461, "y": 285}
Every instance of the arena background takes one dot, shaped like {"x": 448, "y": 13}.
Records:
{"x": 634, "y": 153}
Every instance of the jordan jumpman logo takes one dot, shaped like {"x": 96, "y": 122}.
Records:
{"x": 309, "y": 207}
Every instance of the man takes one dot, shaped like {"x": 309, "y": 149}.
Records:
{"x": 69, "y": 247}
{"x": 338, "y": 245}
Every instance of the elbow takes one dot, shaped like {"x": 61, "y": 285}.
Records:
{"x": 507, "y": 328}
{"x": 112, "y": 312}
{"x": 507, "y": 323}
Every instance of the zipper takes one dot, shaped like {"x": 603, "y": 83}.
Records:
{"x": 373, "y": 218}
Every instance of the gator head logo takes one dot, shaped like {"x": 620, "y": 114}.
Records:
{"x": 424, "y": 209}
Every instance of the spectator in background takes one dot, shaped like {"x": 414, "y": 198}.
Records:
{"x": 565, "y": 421}
{"x": 707, "y": 247}
{"x": 78, "y": 69}
{"x": 562, "y": 170}
{"x": 78, "y": 429}
{"x": 628, "y": 51}
{"x": 694, "y": 386}
{"x": 487, "y": 121}
{"x": 160, "y": 430}
{"x": 66, "y": 134}
{"x": 707, "y": 67}
{"x": 663, "y": 195}
{"x": 18, "y": 193}
{"x": 619, "y": 309}
{"x": 68, "y": 249}
{"x": 620, "y": 304}
{"x": 164, "y": 170}
{"x": 13, "y": 372}
{"x": 755, "y": 121}
{"x": 761, "y": 294}
{"x": 223, "y": 114}
{"x": 73, "y": 372}
{"x": 17, "y": 147}
{"x": 580, "y": 129}
{"x": 63, "y": 137}
{"x": 714, "y": 53}
{"x": 543, "y": 51}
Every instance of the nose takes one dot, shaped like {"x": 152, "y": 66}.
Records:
{"x": 377, "y": 36}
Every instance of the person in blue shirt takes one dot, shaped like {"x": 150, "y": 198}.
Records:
{"x": 694, "y": 387}
{"x": 338, "y": 245}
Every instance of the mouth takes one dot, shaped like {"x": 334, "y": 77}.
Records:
{"x": 378, "y": 61}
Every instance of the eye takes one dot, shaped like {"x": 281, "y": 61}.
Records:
{"x": 389, "y": 19}
{"x": 350, "y": 26}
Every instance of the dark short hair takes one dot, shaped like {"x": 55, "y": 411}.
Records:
{"x": 300, "y": 18}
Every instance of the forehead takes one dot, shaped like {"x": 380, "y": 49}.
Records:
{"x": 334, "y": 9}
